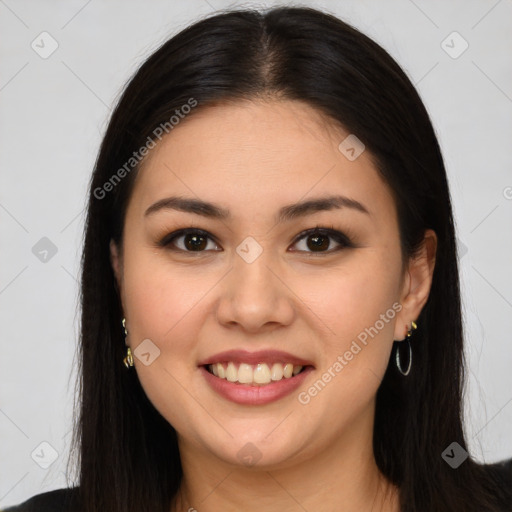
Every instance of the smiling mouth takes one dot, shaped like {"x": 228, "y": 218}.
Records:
{"x": 260, "y": 374}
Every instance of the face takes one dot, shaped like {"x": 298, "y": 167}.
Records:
{"x": 259, "y": 278}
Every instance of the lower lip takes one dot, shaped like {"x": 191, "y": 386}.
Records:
{"x": 255, "y": 395}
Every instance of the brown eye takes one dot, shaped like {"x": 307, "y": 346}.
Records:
{"x": 194, "y": 240}
{"x": 319, "y": 240}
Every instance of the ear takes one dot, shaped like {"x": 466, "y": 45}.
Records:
{"x": 417, "y": 284}
{"x": 116, "y": 262}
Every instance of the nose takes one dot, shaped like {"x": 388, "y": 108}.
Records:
{"x": 255, "y": 297}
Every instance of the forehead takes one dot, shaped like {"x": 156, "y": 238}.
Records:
{"x": 256, "y": 155}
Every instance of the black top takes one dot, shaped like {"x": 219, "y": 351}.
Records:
{"x": 66, "y": 500}
{"x": 60, "y": 500}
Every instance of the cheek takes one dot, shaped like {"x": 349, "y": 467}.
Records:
{"x": 164, "y": 305}
{"x": 160, "y": 298}
{"x": 356, "y": 308}
{"x": 353, "y": 296}
{"x": 360, "y": 311}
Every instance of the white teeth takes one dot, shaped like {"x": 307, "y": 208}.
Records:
{"x": 261, "y": 374}
{"x": 231, "y": 373}
{"x": 288, "y": 370}
{"x": 245, "y": 373}
{"x": 258, "y": 374}
{"x": 277, "y": 371}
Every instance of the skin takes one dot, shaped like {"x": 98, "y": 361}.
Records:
{"x": 252, "y": 158}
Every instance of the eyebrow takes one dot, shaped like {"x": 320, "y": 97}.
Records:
{"x": 286, "y": 213}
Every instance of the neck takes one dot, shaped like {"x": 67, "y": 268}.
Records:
{"x": 343, "y": 476}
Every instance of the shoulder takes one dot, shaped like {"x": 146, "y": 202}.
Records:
{"x": 500, "y": 475}
{"x": 502, "y": 471}
{"x": 59, "y": 500}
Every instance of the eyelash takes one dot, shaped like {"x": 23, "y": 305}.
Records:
{"x": 330, "y": 231}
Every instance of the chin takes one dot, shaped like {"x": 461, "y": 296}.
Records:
{"x": 255, "y": 448}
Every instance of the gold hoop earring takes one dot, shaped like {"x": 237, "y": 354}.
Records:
{"x": 412, "y": 328}
{"x": 128, "y": 360}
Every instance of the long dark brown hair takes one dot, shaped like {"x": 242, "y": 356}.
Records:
{"x": 125, "y": 452}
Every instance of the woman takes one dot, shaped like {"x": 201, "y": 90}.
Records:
{"x": 270, "y": 251}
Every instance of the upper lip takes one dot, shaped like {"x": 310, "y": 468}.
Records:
{"x": 262, "y": 356}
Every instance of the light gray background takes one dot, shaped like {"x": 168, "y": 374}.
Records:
{"x": 54, "y": 112}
